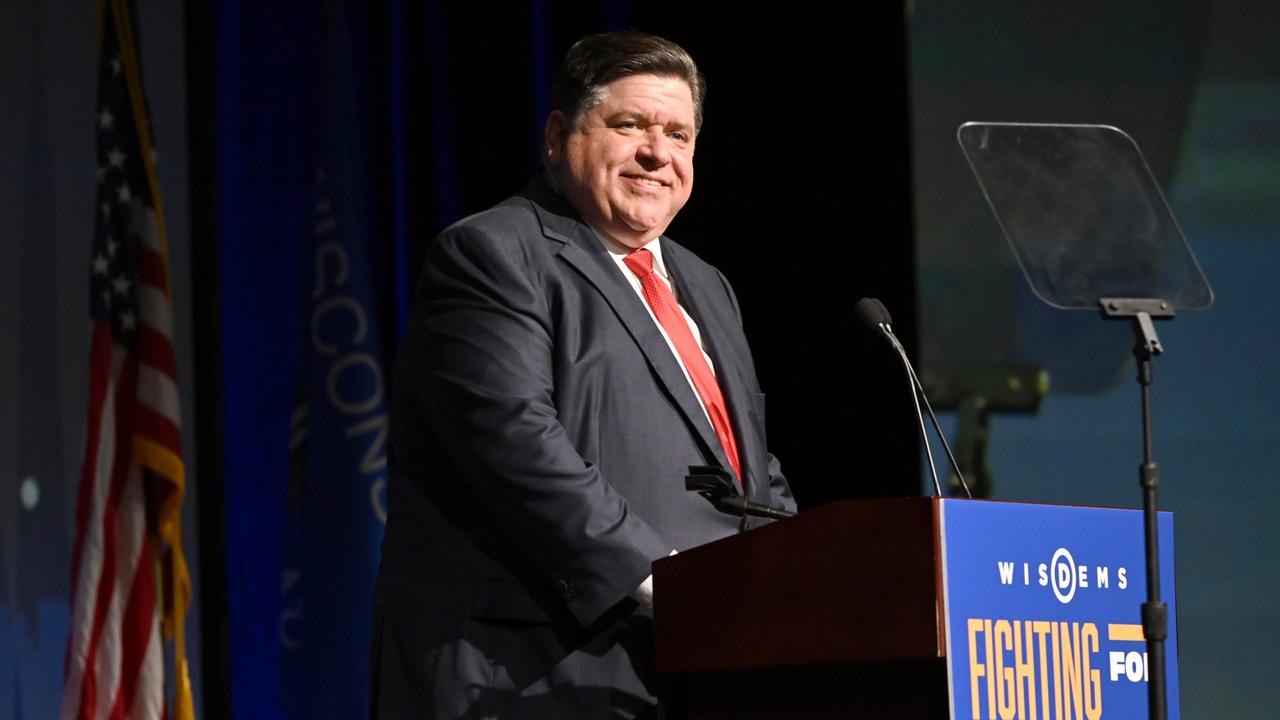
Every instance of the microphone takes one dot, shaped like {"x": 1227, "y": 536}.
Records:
{"x": 872, "y": 314}
{"x": 718, "y": 488}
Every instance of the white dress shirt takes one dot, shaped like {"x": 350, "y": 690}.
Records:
{"x": 619, "y": 253}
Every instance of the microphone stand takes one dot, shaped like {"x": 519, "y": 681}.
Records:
{"x": 872, "y": 315}
{"x": 1155, "y": 613}
{"x": 918, "y": 394}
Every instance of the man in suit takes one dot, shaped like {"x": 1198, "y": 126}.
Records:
{"x": 563, "y": 367}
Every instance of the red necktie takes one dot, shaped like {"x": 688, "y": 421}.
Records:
{"x": 663, "y": 305}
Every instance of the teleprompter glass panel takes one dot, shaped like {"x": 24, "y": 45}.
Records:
{"x": 1083, "y": 214}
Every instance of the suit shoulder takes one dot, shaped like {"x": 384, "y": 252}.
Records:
{"x": 696, "y": 270}
{"x": 688, "y": 261}
{"x": 511, "y": 229}
{"x": 513, "y": 217}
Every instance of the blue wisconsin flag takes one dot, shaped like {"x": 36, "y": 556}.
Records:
{"x": 337, "y": 489}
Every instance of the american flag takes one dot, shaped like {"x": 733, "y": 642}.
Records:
{"x": 129, "y": 582}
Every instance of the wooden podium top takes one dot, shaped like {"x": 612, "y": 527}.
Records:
{"x": 842, "y": 583}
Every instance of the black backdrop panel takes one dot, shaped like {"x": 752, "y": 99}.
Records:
{"x": 802, "y": 197}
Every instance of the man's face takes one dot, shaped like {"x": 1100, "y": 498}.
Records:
{"x": 628, "y": 166}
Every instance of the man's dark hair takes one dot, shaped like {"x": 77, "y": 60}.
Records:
{"x": 597, "y": 60}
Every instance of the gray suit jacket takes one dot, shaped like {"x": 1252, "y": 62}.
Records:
{"x": 541, "y": 430}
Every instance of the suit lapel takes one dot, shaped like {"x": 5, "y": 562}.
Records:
{"x": 719, "y": 326}
{"x": 583, "y": 251}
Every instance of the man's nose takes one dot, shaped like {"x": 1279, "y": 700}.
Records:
{"x": 655, "y": 151}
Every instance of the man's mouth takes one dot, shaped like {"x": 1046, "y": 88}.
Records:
{"x": 645, "y": 181}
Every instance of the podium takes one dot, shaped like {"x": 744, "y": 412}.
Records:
{"x": 913, "y": 608}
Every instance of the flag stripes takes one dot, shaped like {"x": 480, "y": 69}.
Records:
{"x": 128, "y": 533}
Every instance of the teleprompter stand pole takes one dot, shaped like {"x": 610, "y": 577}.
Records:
{"x": 1155, "y": 614}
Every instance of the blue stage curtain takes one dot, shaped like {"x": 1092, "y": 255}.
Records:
{"x": 349, "y": 133}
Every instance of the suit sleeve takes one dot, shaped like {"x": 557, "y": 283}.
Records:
{"x": 779, "y": 490}
{"x": 483, "y": 340}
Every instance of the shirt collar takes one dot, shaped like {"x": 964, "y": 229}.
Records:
{"x": 619, "y": 251}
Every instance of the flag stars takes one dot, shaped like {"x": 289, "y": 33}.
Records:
{"x": 115, "y": 65}
{"x": 111, "y": 246}
{"x": 106, "y": 299}
{"x": 116, "y": 158}
{"x": 127, "y": 320}
{"x": 100, "y": 265}
{"x": 121, "y": 285}
{"x": 123, "y": 193}
{"x": 105, "y": 119}
{"x": 106, "y": 210}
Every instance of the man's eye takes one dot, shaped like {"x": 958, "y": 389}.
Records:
{"x": 680, "y": 136}
{"x": 628, "y": 125}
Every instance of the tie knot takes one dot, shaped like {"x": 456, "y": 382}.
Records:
{"x": 640, "y": 261}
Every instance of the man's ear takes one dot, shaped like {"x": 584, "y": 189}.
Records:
{"x": 554, "y": 136}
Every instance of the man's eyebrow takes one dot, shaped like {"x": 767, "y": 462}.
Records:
{"x": 625, "y": 114}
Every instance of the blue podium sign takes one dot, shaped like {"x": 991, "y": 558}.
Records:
{"x": 1043, "y": 611}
